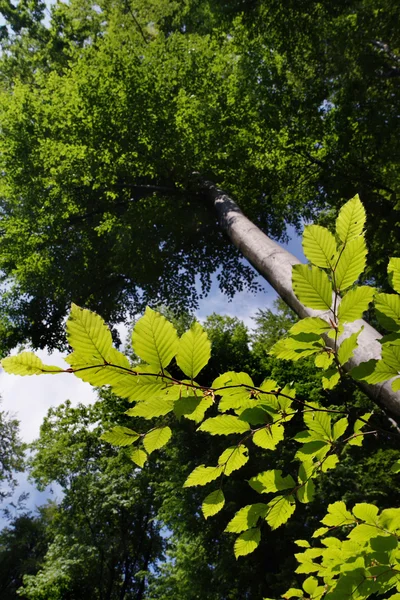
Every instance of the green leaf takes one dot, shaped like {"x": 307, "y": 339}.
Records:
{"x": 293, "y": 593}
{"x": 329, "y": 463}
{"x": 269, "y": 437}
{"x": 320, "y": 422}
{"x": 324, "y": 360}
{"x": 396, "y": 385}
{"x": 156, "y": 439}
{"x": 213, "y": 503}
{"x": 231, "y": 378}
{"x": 154, "y": 339}
{"x": 394, "y": 274}
{"x": 142, "y": 386}
{"x": 351, "y": 220}
{"x": 293, "y": 348}
{"x": 338, "y": 515}
{"x": 224, "y": 425}
{"x": 120, "y": 436}
{"x": 246, "y": 518}
{"x": 202, "y": 475}
{"x": 313, "y": 449}
{"x": 366, "y": 512}
{"x": 339, "y": 428}
{"x": 138, "y": 456}
{"x": 358, "y": 425}
{"x": 27, "y": 363}
{"x": 271, "y": 481}
{"x": 310, "y": 585}
{"x": 233, "y": 458}
{"x": 395, "y": 467}
{"x": 350, "y": 264}
{"x": 247, "y": 542}
{"x": 387, "y": 308}
{"x": 88, "y": 335}
{"x": 310, "y": 325}
{"x": 320, "y": 531}
{"x": 354, "y": 303}
{"x": 193, "y": 407}
{"x": 381, "y": 370}
{"x": 94, "y": 371}
{"x": 319, "y": 246}
{"x": 347, "y": 347}
{"x": 156, "y": 407}
{"x": 194, "y": 350}
{"x": 302, "y": 543}
{"x": 280, "y": 510}
{"x": 312, "y": 287}
{"x": 330, "y": 378}
{"x": 306, "y": 492}
{"x": 257, "y": 415}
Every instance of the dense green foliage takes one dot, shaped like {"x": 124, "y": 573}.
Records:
{"x": 12, "y": 452}
{"x": 259, "y": 416}
{"x": 290, "y": 106}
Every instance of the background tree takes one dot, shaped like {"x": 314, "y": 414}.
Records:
{"x": 103, "y": 537}
{"x": 12, "y": 452}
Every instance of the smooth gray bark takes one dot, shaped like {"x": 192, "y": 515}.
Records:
{"x": 275, "y": 264}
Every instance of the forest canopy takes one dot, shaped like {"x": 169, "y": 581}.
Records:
{"x": 108, "y": 109}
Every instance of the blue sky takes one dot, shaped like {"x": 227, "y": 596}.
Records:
{"x": 29, "y": 398}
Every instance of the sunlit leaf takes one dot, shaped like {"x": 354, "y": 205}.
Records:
{"x": 338, "y": 515}
{"x": 312, "y": 286}
{"x": 347, "y": 347}
{"x": 202, "y": 475}
{"x": 351, "y": 263}
{"x": 280, "y": 510}
{"x": 154, "y": 339}
{"x": 156, "y": 439}
{"x": 155, "y": 407}
{"x": 310, "y": 325}
{"x": 330, "y": 378}
{"x": 354, "y": 303}
{"x": 269, "y": 437}
{"x": 387, "y": 308}
{"x": 193, "y": 407}
{"x": 213, "y": 503}
{"x": 120, "y": 436}
{"x": 27, "y": 363}
{"x": 339, "y": 428}
{"x": 138, "y": 456}
{"x": 224, "y": 425}
{"x": 233, "y": 458}
{"x": 194, "y": 350}
{"x": 88, "y": 335}
{"x": 247, "y": 517}
{"x": 351, "y": 220}
{"x": 247, "y": 542}
{"x": 271, "y": 481}
{"x": 324, "y": 360}
{"x": 319, "y": 246}
{"x": 394, "y": 273}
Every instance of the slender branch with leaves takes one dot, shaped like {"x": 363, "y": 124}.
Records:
{"x": 364, "y": 559}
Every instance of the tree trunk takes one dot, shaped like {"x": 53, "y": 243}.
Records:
{"x": 275, "y": 263}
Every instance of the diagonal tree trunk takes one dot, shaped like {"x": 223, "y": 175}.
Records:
{"x": 275, "y": 263}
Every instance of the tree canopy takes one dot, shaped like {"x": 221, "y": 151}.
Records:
{"x": 108, "y": 111}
